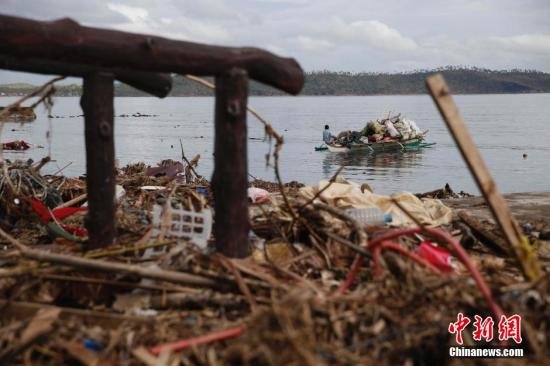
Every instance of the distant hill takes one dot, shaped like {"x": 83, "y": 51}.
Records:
{"x": 460, "y": 80}
{"x": 17, "y": 89}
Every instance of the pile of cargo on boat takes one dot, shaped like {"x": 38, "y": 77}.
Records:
{"x": 387, "y": 134}
{"x": 329, "y": 278}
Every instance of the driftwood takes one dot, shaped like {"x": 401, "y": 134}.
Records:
{"x": 486, "y": 236}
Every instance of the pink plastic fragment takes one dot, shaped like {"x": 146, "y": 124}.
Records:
{"x": 257, "y": 195}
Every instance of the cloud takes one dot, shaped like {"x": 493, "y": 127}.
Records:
{"x": 372, "y": 33}
{"x": 134, "y": 14}
{"x": 525, "y": 43}
{"x": 276, "y": 49}
{"x": 179, "y": 27}
{"x": 309, "y": 44}
{"x": 211, "y": 9}
{"x": 478, "y": 5}
{"x": 88, "y": 12}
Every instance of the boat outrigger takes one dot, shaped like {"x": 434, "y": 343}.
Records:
{"x": 389, "y": 134}
{"x": 381, "y": 146}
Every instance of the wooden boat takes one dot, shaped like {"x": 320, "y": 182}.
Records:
{"x": 20, "y": 114}
{"x": 380, "y": 146}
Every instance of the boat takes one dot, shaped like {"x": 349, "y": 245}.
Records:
{"x": 395, "y": 133}
{"x": 381, "y": 146}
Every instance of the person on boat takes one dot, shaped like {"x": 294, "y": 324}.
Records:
{"x": 328, "y": 137}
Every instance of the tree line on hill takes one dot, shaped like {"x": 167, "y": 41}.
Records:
{"x": 460, "y": 79}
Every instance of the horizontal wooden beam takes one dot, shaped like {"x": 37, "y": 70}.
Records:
{"x": 66, "y": 41}
{"x": 153, "y": 83}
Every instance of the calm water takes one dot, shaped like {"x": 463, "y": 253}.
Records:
{"x": 504, "y": 127}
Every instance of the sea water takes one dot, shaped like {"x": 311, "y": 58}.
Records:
{"x": 504, "y": 127}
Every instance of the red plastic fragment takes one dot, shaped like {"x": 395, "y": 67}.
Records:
{"x": 75, "y": 230}
{"x": 59, "y": 213}
{"x": 437, "y": 256}
{"x": 17, "y": 145}
{"x": 203, "y": 339}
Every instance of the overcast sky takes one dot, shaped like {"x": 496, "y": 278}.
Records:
{"x": 347, "y": 35}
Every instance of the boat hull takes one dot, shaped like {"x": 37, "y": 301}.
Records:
{"x": 380, "y": 146}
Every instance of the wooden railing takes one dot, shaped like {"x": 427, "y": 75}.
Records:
{"x": 146, "y": 62}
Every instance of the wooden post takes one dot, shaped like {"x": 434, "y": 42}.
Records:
{"x": 518, "y": 243}
{"x": 230, "y": 180}
{"x": 97, "y": 104}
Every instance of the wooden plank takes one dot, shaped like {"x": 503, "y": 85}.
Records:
{"x": 449, "y": 111}
{"x": 66, "y": 41}
{"x": 97, "y": 104}
{"x": 149, "y": 82}
{"x": 230, "y": 178}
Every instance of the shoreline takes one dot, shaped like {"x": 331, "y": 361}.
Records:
{"x": 525, "y": 206}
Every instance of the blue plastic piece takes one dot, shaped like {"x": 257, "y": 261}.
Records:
{"x": 202, "y": 191}
{"x": 92, "y": 344}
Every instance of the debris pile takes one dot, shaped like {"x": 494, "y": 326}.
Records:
{"x": 318, "y": 287}
{"x": 392, "y": 128}
{"x": 397, "y": 127}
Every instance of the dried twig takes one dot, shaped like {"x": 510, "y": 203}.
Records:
{"x": 227, "y": 263}
{"x": 157, "y": 274}
{"x": 41, "y": 91}
{"x": 319, "y": 192}
{"x": 45, "y": 91}
{"x": 406, "y": 212}
{"x": 362, "y": 236}
{"x": 187, "y": 161}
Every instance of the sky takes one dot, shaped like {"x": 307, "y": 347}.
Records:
{"x": 345, "y": 35}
